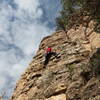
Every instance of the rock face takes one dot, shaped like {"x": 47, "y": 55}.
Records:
{"x": 73, "y": 76}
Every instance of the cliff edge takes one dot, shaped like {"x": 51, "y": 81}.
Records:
{"x": 74, "y": 76}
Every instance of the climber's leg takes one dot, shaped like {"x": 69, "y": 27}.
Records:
{"x": 47, "y": 57}
{"x": 55, "y": 54}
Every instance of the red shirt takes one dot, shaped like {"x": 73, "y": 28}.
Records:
{"x": 48, "y": 50}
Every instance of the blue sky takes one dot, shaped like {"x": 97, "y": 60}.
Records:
{"x": 23, "y": 23}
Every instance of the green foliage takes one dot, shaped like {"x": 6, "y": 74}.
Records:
{"x": 67, "y": 9}
{"x": 61, "y": 23}
{"x": 95, "y": 61}
{"x": 71, "y": 9}
{"x": 71, "y": 69}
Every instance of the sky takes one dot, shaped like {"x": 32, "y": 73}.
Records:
{"x": 23, "y": 24}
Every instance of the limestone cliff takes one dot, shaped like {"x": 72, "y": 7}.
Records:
{"x": 74, "y": 76}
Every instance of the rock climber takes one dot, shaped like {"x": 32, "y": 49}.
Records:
{"x": 48, "y": 54}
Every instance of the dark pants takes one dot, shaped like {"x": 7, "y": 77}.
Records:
{"x": 48, "y": 56}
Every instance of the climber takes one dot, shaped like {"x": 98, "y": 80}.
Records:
{"x": 48, "y": 54}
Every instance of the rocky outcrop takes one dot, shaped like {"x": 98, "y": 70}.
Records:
{"x": 74, "y": 76}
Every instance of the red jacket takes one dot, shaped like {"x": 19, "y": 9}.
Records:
{"x": 48, "y": 50}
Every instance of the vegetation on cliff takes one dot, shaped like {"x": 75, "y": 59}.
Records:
{"x": 75, "y": 12}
